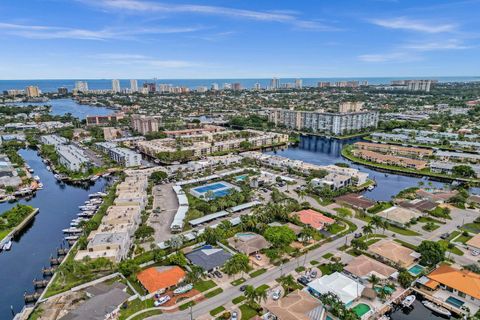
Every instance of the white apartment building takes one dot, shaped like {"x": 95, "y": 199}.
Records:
{"x": 145, "y": 124}
{"x": 324, "y": 122}
{"x": 124, "y": 156}
{"x": 134, "y": 85}
{"x": 115, "y": 85}
{"x": 72, "y": 157}
{"x": 53, "y": 139}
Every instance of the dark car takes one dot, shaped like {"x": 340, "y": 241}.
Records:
{"x": 218, "y": 274}
{"x": 358, "y": 235}
{"x": 242, "y": 288}
{"x": 303, "y": 280}
{"x": 445, "y": 235}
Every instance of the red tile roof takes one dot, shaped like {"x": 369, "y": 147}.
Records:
{"x": 313, "y": 218}
{"x": 158, "y": 278}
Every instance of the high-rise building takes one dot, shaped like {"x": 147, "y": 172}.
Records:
{"x": 257, "y": 86}
{"x": 151, "y": 87}
{"x": 237, "y": 86}
{"x": 115, "y": 85}
{"x": 227, "y": 86}
{"x": 81, "y": 86}
{"x": 202, "y": 89}
{"x": 323, "y": 84}
{"x": 214, "y": 86}
{"x": 133, "y": 85}
{"x": 275, "y": 83}
{"x": 62, "y": 90}
{"x": 414, "y": 85}
{"x": 145, "y": 124}
{"x": 298, "y": 83}
{"x": 32, "y": 91}
{"x": 324, "y": 122}
{"x": 345, "y": 107}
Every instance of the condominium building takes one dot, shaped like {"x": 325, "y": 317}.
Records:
{"x": 394, "y": 149}
{"x": 104, "y": 120}
{"x": 390, "y": 160}
{"x": 32, "y": 91}
{"x": 145, "y": 124}
{"x": 124, "y": 156}
{"x": 324, "y": 122}
{"x": 81, "y": 86}
{"x": 275, "y": 83}
{"x": 72, "y": 157}
{"x": 346, "y": 107}
{"x": 298, "y": 83}
{"x": 414, "y": 85}
{"x": 53, "y": 139}
{"x": 133, "y": 85}
{"x": 115, "y": 85}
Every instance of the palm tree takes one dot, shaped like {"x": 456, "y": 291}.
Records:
{"x": 307, "y": 233}
{"x": 176, "y": 242}
{"x": 237, "y": 263}
{"x": 377, "y": 222}
{"x": 287, "y": 282}
{"x": 367, "y": 229}
{"x": 251, "y": 294}
{"x": 196, "y": 273}
{"x": 374, "y": 280}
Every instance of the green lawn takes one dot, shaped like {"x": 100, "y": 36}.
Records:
{"x": 300, "y": 269}
{"x": 325, "y": 256}
{"x": 186, "y": 305}
{"x": 472, "y": 227}
{"x": 263, "y": 287}
{"x": 406, "y": 244}
{"x": 238, "y": 299}
{"x": 463, "y": 239}
{"x": 430, "y": 219}
{"x": 344, "y": 212}
{"x": 380, "y": 207}
{"x": 258, "y": 272}
{"x": 335, "y": 228}
{"x": 405, "y": 232}
{"x": 453, "y": 235}
{"x": 217, "y": 310}
{"x": 238, "y": 281}
{"x": 315, "y": 262}
{"x": 135, "y": 306}
{"x": 204, "y": 285}
{"x": 434, "y": 227}
{"x": 213, "y": 293}
{"x": 453, "y": 250}
{"x": 247, "y": 312}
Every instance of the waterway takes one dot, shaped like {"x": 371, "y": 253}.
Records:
{"x": 418, "y": 312}
{"x": 64, "y": 106}
{"x": 32, "y": 249}
{"x": 325, "y": 151}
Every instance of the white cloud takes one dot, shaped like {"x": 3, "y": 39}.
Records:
{"x": 437, "y": 45}
{"x": 388, "y": 57}
{"x": 404, "y": 23}
{"x": 287, "y": 17}
{"x": 53, "y": 32}
{"x": 141, "y": 60}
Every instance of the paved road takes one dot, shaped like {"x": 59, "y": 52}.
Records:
{"x": 205, "y": 306}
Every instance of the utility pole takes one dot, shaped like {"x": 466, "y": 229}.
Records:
{"x": 191, "y": 312}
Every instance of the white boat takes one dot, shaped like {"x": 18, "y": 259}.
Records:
{"x": 40, "y": 186}
{"x": 87, "y": 208}
{"x": 408, "y": 301}
{"x": 72, "y": 230}
{"x": 69, "y": 238}
{"x": 7, "y": 246}
{"x": 183, "y": 289}
{"x": 30, "y": 170}
{"x": 86, "y": 214}
{"x": 94, "y": 178}
{"x": 436, "y": 308}
{"x": 48, "y": 168}
{"x": 370, "y": 188}
{"x": 97, "y": 195}
{"x": 37, "y": 178}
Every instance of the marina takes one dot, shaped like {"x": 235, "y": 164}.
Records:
{"x": 42, "y": 238}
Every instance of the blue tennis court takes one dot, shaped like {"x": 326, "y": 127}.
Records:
{"x": 213, "y": 190}
{"x": 210, "y": 187}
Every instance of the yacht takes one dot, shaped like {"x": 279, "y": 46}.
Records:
{"x": 7, "y": 246}
{"x": 87, "y": 208}
{"x": 97, "y": 195}
{"x": 72, "y": 230}
{"x": 71, "y": 238}
{"x": 40, "y": 186}
{"x": 370, "y": 188}
{"x": 48, "y": 168}
{"x": 37, "y": 178}
{"x": 436, "y": 308}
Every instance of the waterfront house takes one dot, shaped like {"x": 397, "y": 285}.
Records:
{"x": 394, "y": 149}
{"x": 356, "y": 201}
{"x": 332, "y": 181}
{"x": 111, "y": 245}
{"x": 347, "y": 289}
{"x": 363, "y": 267}
{"x": 298, "y": 305}
{"x": 390, "y": 159}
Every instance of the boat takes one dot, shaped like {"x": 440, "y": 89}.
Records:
{"x": 48, "y": 168}
{"x": 86, "y": 214}
{"x": 7, "y": 246}
{"x": 37, "y": 178}
{"x": 71, "y": 238}
{"x": 370, "y": 188}
{"x": 436, "y": 308}
{"x": 30, "y": 170}
{"x": 94, "y": 178}
{"x": 87, "y": 208}
{"x": 384, "y": 317}
{"x": 72, "y": 230}
{"x": 408, "y": 301}
{"x": 183, "y": 289}
{"x": 97, "y": 195}
{"x": 40, "y": 186}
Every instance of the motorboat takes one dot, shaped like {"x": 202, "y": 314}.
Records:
{"x": 71, "y": 238}
{"x": 7, "y": 246}
{"x": 37, "y": 178}
{"x": 97, "y": 195}
{"x": 183, "y": 289}
{"x": 408, "y": 301}
{"x": 48, "y": 168}
{"x": 94, "y": 178}
{"x": 370, "y": 188}
{"x": 86, "y": 214}
{"x": 436, "y": 308}
{"x": 40, "y": 186}
{"x": 72, "y": 230}
{"x": 87, "y": 208}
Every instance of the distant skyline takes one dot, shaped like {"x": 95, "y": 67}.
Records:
{"x": 142, "y": 39}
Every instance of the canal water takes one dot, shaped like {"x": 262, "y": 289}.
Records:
{"x": 418, "y": 312}
{"x": 63, "y": 106}
{"x": 325, "y": 151}
{"x": 31, "y": 250}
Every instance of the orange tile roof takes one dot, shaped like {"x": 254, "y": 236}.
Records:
{"x": 156, "y": 278}
{"x": 314, "y": 218}
{"x": 462, "y": 280}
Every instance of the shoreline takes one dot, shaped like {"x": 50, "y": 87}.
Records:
{"x": 19, "y": 227}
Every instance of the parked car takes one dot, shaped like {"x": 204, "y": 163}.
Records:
{"x": 218, "y": 274}
{"x": 276, "y": 294}
{"x": 445, "y": 235}
{"x": 234, "y": 315}
{"x": 161, "y": 300}
{"x": 313, "y": 274}
{"x": 303, "y": 280}
{"x": 358, "y": 235}
{"x": 475, "y": 252}
{"x": 242, "y": 288}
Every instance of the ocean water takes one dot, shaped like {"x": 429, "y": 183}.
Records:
{"x": 98, "y": 84}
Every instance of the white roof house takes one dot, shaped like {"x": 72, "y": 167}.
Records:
{"x": 347, "y": 290}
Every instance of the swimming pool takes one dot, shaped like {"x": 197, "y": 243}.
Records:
{"x": 416, "y": 269}
{"x": 385, "y": 288}
{"x": 217, "y": 190}
{"x": 455, "y": 302}
{"x": 360, "y": 309}
{"x": 241, "y": 178}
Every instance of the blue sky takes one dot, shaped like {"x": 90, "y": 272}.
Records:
{"x": 237, "y": 39}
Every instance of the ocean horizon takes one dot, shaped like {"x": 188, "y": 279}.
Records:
{"x": 51, "y": 85}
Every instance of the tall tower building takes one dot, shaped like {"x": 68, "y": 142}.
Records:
{"x": 257, "y": 86}
{"x": 115, "y": 85}
{"x": 214, "y": 87}
{"x": 133, "y": 85}
{"x": 32, "y": 91}
{"x": 275, "y": 83}
{"x": 81, "y": 86}
{"x": 298, "y": 83}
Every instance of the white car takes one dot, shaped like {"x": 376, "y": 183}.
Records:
{"x": 234, "y": 315}
{"x": 475, "y": 253}
{"x": 276, "y": 295}
{"x": 258, "y": 257}
{"x": 161, "y": 300}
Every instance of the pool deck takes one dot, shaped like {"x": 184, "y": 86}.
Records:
{"x": 440, "y": 296}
